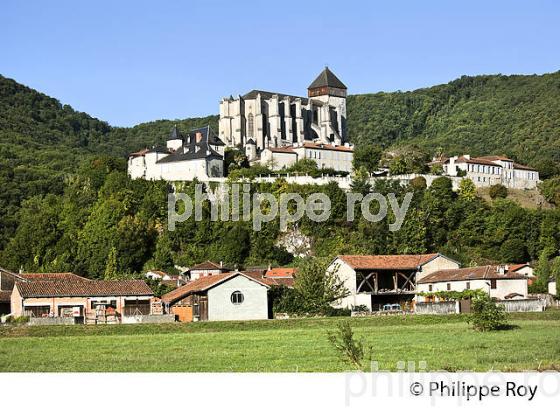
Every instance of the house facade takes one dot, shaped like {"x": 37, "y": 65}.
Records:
{"x": 198, "y": 154}
{"x": 337, "y": 157}
{"x": 89, "y": 301}
{"x": 227, "y": 296}
{"x": 492, "y": 170}
{"x": 376, "y": 280}
{"x": 207, "y": 268}
{"x": 496, "y": 280}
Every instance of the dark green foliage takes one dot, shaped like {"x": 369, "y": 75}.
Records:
{"x": 66, "y": 201}
{"x": 487, "y": 315}
{"x": 367, "y": 157}
{"x": 498, "y": 191}
{"x": 550, "y": 189}
{"x": 516, "y": 115}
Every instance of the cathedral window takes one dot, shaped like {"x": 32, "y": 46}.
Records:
{"x": 250, "y": 126}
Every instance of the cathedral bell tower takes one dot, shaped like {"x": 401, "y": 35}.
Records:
{"x": 327, "y": 100}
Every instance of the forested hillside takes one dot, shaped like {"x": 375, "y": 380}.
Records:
{"x": 515, "y": 115}
{"x": 66, "y": 203}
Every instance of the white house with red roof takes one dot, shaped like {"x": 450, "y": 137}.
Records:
{"x": 491, "y": 170}
{"x": 377, "y": 280}
{"x": 499, "y": 281}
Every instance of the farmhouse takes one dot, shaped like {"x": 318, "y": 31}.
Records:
{"x": 376, "y": 280}
{"x": 85, "y": 300}
{"x": 228, "y": 296}
{"x": 496, "y": 280}
{"x": 207, "y": 268}
{"x": 492, "y": 170}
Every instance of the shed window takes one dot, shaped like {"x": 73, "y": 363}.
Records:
{"x": 449, "y": 286}
{"x": 430, "y": 288}
{"x": 492, "y": 283}
{"x": 468, "y": 285}
{"x": 237, "y": 298}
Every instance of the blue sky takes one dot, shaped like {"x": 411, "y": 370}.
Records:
{"x": 128, "y": 62}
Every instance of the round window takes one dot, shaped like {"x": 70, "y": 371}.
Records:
{"x": 237, "y": 297}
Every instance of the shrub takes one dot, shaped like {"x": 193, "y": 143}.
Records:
{"x": 487, "y": 315}
{"x": 350, "y": 350}
{"x": 498, "y": 191}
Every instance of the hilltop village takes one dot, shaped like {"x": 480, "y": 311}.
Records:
{"x": 276, "y": 131}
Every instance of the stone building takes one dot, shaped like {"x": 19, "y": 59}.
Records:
{"x": 269, "y": 119}
{"x": 491, "y": 170}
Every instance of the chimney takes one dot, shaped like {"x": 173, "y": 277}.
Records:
{"x": 221, "y": 264}
{"x": 198, "y": 137}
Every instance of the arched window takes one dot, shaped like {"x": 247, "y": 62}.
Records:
{"x": 237, "y": 298}
{"x": 250, "y": 126}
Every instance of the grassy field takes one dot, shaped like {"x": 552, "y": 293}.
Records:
{"x": 445, "y": 343}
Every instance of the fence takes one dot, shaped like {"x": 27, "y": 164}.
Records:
{"x": 438, "y": 308}
{"x": 524, "y": 305}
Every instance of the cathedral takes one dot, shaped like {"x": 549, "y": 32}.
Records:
{"x": 270, "y": 120}
{"x": 273, "y": 129}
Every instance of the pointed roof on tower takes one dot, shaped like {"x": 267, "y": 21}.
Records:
{"x": 327, "y": 79}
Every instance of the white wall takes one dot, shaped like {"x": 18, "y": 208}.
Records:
{"x": 503, "y": 287}
{"x": 254, "y": 306}
{"x": 552, "y": 288}
{"x": 277, "y": 160}
{"x": 438, "y": 263}
{"x": 136, "y": 167}
{"x": 325, "y": 158}
{"x": 348, "y": 276}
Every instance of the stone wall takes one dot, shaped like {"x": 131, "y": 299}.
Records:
{"x": 148, "y": 319}
{"x": 439, "y": 308}
{"x": 44, "y": 321}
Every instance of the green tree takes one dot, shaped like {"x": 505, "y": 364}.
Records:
{"x": 111, "y": 269}
{"x": 367, "y": 157}
{"x": 498, "y": 191}
{"x": 467, "y": 189}
{"x": 318, "y": 287}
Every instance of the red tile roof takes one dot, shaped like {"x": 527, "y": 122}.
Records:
{"x": 270, "y": 281}
{"x": 283, "y": 150}
{"x": 55, "y": 288}
{"x": 202, "y": 285}
{"x": 280, "y": 272}
{"x": 495, "y": 158}
{"x": 328, "y": 147}
{"x": 140, "y": 153}
{"x": 55, "y": 276}
{"x": 515, "y": 267}
{"x": 477, "y": 272}
{"x": 407, "y": 262}
{"x": 523, "y": 167}
{"x": 481, "y": 161}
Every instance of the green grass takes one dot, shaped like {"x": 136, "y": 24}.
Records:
{"x": 444, "y": 342}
